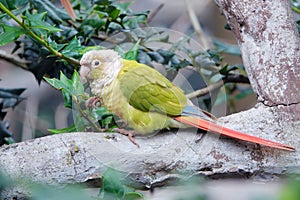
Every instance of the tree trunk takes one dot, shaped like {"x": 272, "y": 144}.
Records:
{"x": 269, "y": 41}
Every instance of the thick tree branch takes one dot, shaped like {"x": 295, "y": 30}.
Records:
{"x": 77, "y": 157}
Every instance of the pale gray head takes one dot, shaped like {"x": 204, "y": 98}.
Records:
{"x": 108, "y": 62}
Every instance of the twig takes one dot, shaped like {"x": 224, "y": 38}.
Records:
{"x": 37, "y": 38}
{"x": 86, "y": 116}
{"x": 13, "y": 59}
{"x": 231, "y": 78}
{"x": 205, "y": 91}
{"x": 196, "y": 24}
{"x": 154, "y": 12}
{"x": 68, "y": 6}
{"x": 236, "y": 78}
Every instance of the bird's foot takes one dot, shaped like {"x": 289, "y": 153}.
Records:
{"x": 93, "y": 102}
{"x": 129, "y": 134}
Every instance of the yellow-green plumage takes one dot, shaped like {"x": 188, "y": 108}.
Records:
{"x": 138, "y": 94}
{"x": 145, "y": 99}
{"x": 147, "y": 90}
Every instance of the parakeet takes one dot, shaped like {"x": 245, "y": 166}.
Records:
{"x": 146, "y": 100}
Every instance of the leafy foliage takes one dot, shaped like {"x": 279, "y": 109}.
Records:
{"x": 51, "y": 35}
{"x": 85, "y": 118}
{"x": 295, "y": 4}
{"x": 113, "y": 187}
{"x": 291, "y": 190}
{"x": 9, "y": 98}
{"x": 54, "y": 43}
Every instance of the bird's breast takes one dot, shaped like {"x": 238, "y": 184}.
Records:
{"x": 111, "y": 95}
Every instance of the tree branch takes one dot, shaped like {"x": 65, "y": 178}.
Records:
{"x": 77, "y": 157}
{"x": 14, "y": 59}
{"x": 154, "y": 12}
{"x": 231, "y": 78}
{"x": 205, "y": 90}
{"x": 196, "y": 25}
{"x": 236, "y": 78}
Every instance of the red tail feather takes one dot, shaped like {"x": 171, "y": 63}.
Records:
{"x": 210, "y": 126}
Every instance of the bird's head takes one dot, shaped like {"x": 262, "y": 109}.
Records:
{"x": 100, "y": 64}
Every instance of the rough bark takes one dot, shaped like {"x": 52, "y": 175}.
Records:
{"x": 77, "y": 157}
{"x": 269, "y": 42}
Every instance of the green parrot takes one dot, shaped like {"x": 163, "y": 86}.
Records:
{"x": 146, "y": 100}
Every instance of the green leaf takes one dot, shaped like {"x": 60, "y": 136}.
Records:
{"x": 66, "y": 82}
{"x": 113, "y": 12}
{"x": 103, "y": 2}
{"x": 52, "y": 10}
{"x": 120, "y": 51}
{"x": 37, "y": 21}
{"x": 83, "y": 50}
{"x": 298, "y": 25}
{"x": 112, "y": 184}
{"x": 133, "y": 196}
{"x": 227, "y": 27}
{"x": 56, "y": 83}
{"x": 73, "y": 48}
{"x": 9, "y": 4}
{"x": 10, "y": 34}
{"x": 156, "y": 57}
{"x": 99, "y": 112}
{"x": 67, "y": 98}
{"x": 113, "y": 187}
{"x": 178, "y": 64}
{"x": 166, "y": 54}
{"x": 123, "y": 6}
{"x": 133, "y": 52}
{"x": 7, "y": 94}
{"x": 144, "y": 58}
{"x": 228, "y": 68}
{"x": 295, "y": 6}
{"x": 291, "y": 191}
{"x": 4, "y": 132}
{"x": 16, "y": 91}
{"x": 65, "y": 85}
{"x": 69, "y": 87}
{"x": 215, "y": 78}
{"x": 63, "y": 130}
{"x": 77, "y": 86}
{"x": 227, "y": 48}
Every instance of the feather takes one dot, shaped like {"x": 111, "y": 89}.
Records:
{"x": 210, "y": 126}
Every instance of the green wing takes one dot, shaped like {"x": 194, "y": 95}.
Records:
{"x": 147, "y": 90}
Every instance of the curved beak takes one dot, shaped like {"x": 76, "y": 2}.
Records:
{"x": 83, "y": 72}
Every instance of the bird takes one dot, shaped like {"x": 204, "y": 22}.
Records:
{"x": 146, "y": 100}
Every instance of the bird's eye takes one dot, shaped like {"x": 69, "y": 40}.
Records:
{"x": 96, "y": 62}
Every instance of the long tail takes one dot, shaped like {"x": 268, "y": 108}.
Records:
{"x": 210, "y": 126}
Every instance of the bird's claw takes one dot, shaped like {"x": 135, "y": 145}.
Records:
{"x": 93, "y": 102}
{"x": 129, "y": 134}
